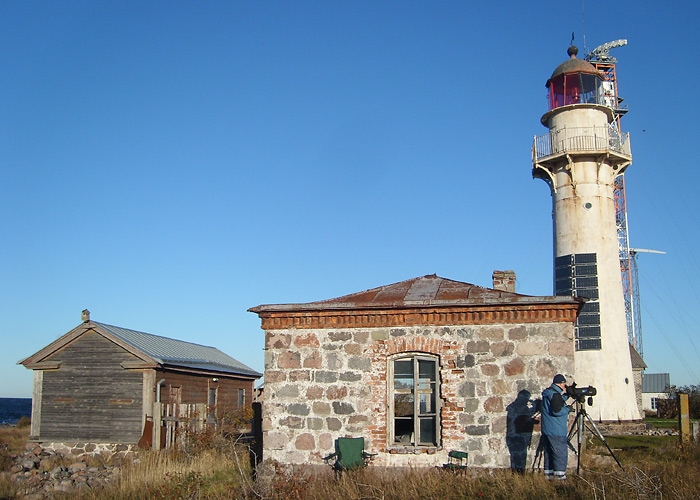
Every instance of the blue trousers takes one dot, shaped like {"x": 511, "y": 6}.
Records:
{"x": 556, "y": 455}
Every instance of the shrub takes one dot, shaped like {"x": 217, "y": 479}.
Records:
{"x": 24, "y": 422}
{"x": 668, "y": 408}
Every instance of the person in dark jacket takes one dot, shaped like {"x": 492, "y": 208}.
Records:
{"x": 555, "y": 418}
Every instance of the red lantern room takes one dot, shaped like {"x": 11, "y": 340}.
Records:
{"x": 575, "y": 81}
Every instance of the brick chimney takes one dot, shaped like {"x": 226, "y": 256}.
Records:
{"x": 504, "y": 280}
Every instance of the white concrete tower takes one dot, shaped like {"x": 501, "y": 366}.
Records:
{"x": 579, "y": 159}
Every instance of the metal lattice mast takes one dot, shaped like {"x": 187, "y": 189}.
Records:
{"x": 636, "y": 312}
{"x": 600, "y": 57}
{"x": 627, "y": 265}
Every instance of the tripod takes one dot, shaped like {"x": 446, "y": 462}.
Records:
{"x": 577, "y": 429}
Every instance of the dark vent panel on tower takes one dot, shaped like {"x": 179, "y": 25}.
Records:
{"x": 577, "y": 275}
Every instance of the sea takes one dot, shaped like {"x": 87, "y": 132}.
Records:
{"x": 12, "y": 409}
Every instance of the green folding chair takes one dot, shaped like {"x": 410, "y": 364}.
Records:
{"x": 349, "y": 454}
{"x": 456, "y": 460}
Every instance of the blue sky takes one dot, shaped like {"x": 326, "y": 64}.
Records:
{"x": 168, "y": 165}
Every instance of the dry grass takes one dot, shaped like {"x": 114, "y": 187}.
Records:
{"x": 215, "y": 468}
{"x": 676, "y": 480}
{"x": 161, "y": 475}
{"x": 13, "y": 439}
{"x": 12, "y": 442}
{"x": 664, "y": 472}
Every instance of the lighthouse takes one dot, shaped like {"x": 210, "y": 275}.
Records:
{"x": 580, "y": 157}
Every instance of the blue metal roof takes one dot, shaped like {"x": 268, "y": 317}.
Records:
{"x": 167, "y": 351}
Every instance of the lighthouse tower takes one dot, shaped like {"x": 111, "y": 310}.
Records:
{"x": 579, "y": 158}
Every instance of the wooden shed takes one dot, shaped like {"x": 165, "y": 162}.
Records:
{"x": 100, "y": 383}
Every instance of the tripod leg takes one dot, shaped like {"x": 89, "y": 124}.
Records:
{"x": 538, "y": 454}
{"x": 573, "y": 431}
{"x": 581, "y": 428}
{"x": 577, "y": 428}
{"x": 600, "y": 436}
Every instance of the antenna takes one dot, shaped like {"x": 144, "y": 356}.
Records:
{"x": 634, "y": 317}
{"x": 583, "y": 22}
{"x": 602, "y": 52}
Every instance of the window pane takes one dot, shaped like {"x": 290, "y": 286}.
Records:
{"x": 403, "y": 375}
{"x": 426, "y": 369}
{"x": 426, "y": 375}
{"x": 403, "y": 367}
{"x": 403, "y": 431}
{"x": 403, "y": 383}
{"x": 427, "y": 403}
{"x": 403, "y": 405}
{"x": 427, "y": 430}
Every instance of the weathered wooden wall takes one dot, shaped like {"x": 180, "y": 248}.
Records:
{"x": 91, "y": 397}
{"x": 195, "y": 389}
{"x": 88, "y": 396}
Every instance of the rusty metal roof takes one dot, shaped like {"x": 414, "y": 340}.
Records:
{"x": 417, "y": 292}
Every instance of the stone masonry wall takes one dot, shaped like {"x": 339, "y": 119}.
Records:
{"x": 321, "y": 384}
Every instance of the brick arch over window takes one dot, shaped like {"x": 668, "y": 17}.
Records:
{"x": 417, "y": 343}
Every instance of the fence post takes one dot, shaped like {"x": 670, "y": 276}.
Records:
{"x": 256, "y": 426}
{"x": 157, "y": 424}
{"x": 683, "y": 417}
{"x": 201, "y": 413}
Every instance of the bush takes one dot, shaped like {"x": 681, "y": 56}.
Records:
{"x": 12, "y": 442}
{"x": 222, "y": 433}
{"x": 668, "y": 408}
{"x": 24, "y": 422}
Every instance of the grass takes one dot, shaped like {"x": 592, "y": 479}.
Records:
{"x": 654, "y": 467}
{"x": 637, "y": 442}
{"x": 662, "y": 423}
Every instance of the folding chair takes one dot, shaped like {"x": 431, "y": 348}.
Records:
{"x": 349, "y": 454}
{"x": 456, "y": 460}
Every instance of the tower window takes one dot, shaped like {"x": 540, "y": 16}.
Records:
{"x": 574, "y": 88}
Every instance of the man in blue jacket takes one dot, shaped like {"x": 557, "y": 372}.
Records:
{"x": 555, "y": 418}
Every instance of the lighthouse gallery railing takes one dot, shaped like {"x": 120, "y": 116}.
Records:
{"x": 593, "y": 139}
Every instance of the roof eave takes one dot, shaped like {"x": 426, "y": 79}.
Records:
{"x": 523, "y": 300}
{"x": 219, "y": 372}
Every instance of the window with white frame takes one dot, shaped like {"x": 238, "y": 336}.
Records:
{"x": 414, "y": 417}
{"x": 654, "y": 402}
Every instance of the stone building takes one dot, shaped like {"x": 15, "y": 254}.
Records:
{"x": 417, "y": 368}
